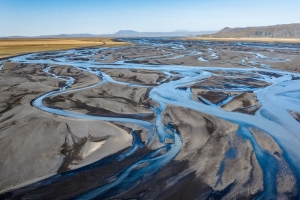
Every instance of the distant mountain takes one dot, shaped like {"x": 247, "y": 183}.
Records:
{"x": 126, "y": 33}
{"x": 67, "y": 36}
{"x": 15, "y": 37}
{"x": 277, "y": 31}
{"x": 84, "y": 35}
{"x": 180, "y": 33}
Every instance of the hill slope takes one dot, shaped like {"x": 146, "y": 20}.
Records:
{"x": 277, "y": 31}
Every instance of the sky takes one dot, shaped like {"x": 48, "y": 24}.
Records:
{"x": 50, "y": 17}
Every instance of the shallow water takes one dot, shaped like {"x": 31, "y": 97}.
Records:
{"x": 273, "y": 117}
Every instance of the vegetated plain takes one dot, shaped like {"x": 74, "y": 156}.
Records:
{"x": 11, "y": 47}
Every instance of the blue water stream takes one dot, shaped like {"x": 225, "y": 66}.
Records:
{"x": 273, "y": 118}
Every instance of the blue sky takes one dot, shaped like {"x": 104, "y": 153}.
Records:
{"x": 46, "y": 17}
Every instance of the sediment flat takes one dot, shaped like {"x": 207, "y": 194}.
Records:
{"x": 13, "y": 47}
{"x": 159, "y": 119}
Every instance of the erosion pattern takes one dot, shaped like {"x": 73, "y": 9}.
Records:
{"x": 160, "y": 119}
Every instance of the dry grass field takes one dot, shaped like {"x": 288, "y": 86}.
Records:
{"x": 12, "y": 47}
{"x": 279, "y": 40}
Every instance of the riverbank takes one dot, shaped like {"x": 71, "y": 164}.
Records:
{"x": 14, "y": 47}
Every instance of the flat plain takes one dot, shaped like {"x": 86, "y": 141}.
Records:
{"x": 12, "y": 47}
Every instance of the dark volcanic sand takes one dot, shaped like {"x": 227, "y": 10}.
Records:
{"x": 108, "y": 130}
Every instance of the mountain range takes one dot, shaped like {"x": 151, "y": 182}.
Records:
{"x": 276, "y": 31}
{"x": 126, "y": 33}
